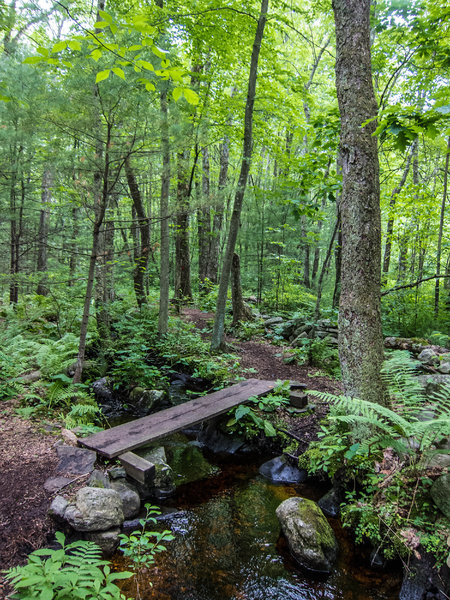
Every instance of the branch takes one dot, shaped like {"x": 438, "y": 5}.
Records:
{"x": 415, "y": 284}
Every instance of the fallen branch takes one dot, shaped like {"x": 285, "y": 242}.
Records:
{"x": 415, "y": 284}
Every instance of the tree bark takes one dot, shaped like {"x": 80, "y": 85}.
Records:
{"x": 240, "y": 311}
{"x": 101, "y": 201}
{"x": 44, "y": 217}
{"x": 360, "y": 335}
{"x": 217, "y": 340}
{"x": 163, "y": 317}
{"x": 183, "y": 288}
{"x": 441, "y": 229}
{"x": 142, "y": 249}
{"x": 390, "y": 225}
{"x": 204, "y": 223}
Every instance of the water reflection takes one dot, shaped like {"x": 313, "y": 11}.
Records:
{"x": 227, "y": 547}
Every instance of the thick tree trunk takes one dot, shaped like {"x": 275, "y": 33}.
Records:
{"x": 360, "y": 336}
{"x": 43, "y": 231}
{"x": 441, "y": 229}
{"x": 163, "y": 317}
{"x": 217, "y": 339}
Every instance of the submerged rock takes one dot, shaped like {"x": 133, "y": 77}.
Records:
{"x": 310, "y": 538}
{"x": 423, "y": 581}
{"x": 278, "y": 470}
{"x": 330, "y": 503}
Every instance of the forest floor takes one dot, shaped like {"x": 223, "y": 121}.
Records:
{"x": 28, "y": 455}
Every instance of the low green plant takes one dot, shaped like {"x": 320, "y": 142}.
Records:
{"x": 381, "y": 448}
{"x": 141, "y": 546}
{"x": 74, "y": 571}
{"x": 252, "y": 418}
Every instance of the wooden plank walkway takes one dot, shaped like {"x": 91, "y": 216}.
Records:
{"x": 120, "y": 439}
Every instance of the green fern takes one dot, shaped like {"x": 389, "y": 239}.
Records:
{"x": 81, "y": 414}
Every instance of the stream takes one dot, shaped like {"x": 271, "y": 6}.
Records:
{"x": 228, "y": 546}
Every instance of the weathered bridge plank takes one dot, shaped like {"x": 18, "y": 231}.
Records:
{"x": 120, "y": 439}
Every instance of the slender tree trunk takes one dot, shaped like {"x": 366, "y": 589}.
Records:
{"x": 183, "y": 288}
{"x": 142, "y": 249}
{"x": 217, "y": 339}
{"x": 441, "y": 229}
{"x": 100, "y": 209}
{"x": 240, "y": 311}
{"x": 214, "y": 246}
{"x": 325, "y": 265}
{"x": 163, "y": 318}
{"x": 360, "y": 336}
{"x": 395, "y": 192}
{"x": 43, "y": 230}
{"x": 204, "y": 222}
{"x": 73, "y": 247}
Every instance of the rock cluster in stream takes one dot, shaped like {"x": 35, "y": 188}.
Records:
{"x": 98, "y": 510}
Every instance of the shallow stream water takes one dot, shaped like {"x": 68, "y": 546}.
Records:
{"x": 228, "y": 546}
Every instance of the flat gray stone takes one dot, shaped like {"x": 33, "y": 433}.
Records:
{"x": 54, "y": 484}
{"x": 98, "y": 479}
{"x": 77, "y": 461}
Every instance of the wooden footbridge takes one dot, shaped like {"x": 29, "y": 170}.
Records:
{"x": 121, "y": 440}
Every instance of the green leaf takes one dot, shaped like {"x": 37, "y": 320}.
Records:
{"x": 105, "y": 16}
{"x": 134, "y": 48}
{"x": 75, "y": 45}
{"x": 146, "y": 65}
{"x": 191, "y": 96}
{"x": 5, "y": 98}
{"x": 159, "y": 52}
{"x": 119, "y": 72}
{"x": 114, "y": 29}
{"x": 241, "y": 411}
{"x": 60, "y": 538}
{"x": 150, "y": 87}
{"x": 96, "y": 54}
{"x": 32, "y": 60}
{"x": 177, "y": 93}
{"x": 101, "y": 24}
{"x": 58, "y": 47}
{"x": 102, "y": 75}
{"x": 67, "y": 64}
{"x": 44, "y": 51}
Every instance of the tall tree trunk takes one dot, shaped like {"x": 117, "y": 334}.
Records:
{"x": 183, "y": 288}
{"x": 441, "y": 229}
{"x": 219, "y": 208}
{"x": 143, "y": 247}
{"x": 217, "y": 339}
{"x": 101, "y": 202}
{"x": 204, "y": 222}
{"x": 43, "y": 231}
{"x": 163, "y": 317}
{"x": 73, "y": 247}
{"x": 360, "y": 336}
{"x": 240, "y": 311}
{"x": 390, "y": 225}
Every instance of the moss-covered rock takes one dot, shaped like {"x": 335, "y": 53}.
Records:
{"x": 310, "y": 538}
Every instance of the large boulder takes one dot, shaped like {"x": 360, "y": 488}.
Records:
{"x": 310, "y": 538}
{"x": 143, "y": 400}
{"x": 278, "y": 470}
{"x": 95, "y": 509}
